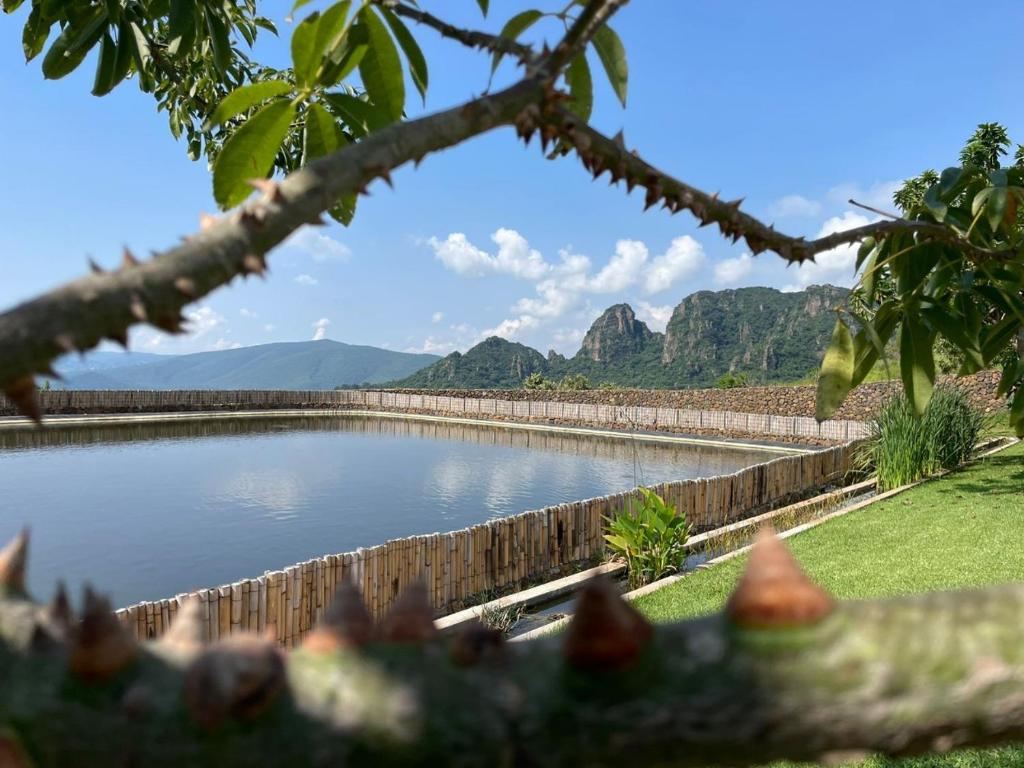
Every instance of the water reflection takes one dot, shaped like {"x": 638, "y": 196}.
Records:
{"x": 146, "y": 510}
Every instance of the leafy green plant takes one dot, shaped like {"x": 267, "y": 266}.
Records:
{"x": 905, "y": 447}
{"x": 503, "y": 619}
{"x": 574, "y": 382}
{"x": 536, "y": 380}
{"x": 651, "y": 536}
{"x": 731, "y": 380}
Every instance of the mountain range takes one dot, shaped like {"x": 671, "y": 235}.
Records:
{"x": 761, "y": 332}
{"x": 286, "y": 365}
{"x": 767, "y": 334}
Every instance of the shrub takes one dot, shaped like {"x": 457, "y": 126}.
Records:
{"x": 903, "y": 447}
{"x": 730, "y": 380}
{"x": 651, "y": 536}
{"x": 536, "y": 380}
{"x": 574, "y": 381}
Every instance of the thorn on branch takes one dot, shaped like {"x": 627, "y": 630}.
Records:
{"x": 128, "y": 259}
{"x": 186, "y": 287}
{"x": 606, "y": 632}
{"x": 13, "y": 564}
{"x": 101, "y": 645}
{"x": 774, "y": 592}
{"x": 271, "y": 189}
{"x": 138, "y": 309}
{"x": 22, "y": 392}
{"x": 411, "y": 619}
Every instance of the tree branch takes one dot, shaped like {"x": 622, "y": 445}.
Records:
{"x": 469, "y": 38}
{"x": 599, "y": 153}
{"x": 782, "y": 673}
{"x": 78, "y": 315}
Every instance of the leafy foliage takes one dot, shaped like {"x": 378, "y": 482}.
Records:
{"x": 905, "y": 446}
{"x": 651, "y": 536}
{"x": 731, "y": 380}
{"x": 932, "y": 294}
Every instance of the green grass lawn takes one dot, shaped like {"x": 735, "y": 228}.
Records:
{"x": 962, "y": 530}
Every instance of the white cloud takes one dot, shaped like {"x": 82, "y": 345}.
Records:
{"x": 223, "y": 343}
{"x": 682, "y": 259}
{"x": 732, "y": 271}
{"x": 564, "y": 337}
{"x": 795, "y": 206}
{"x": 655, "y": 317}
{"x": 511, "y": 327}
{"x": 305, "y": 279}
{"x": 623, "y": 270}
{"x": 269, "y": 327}
{"x": 201, "y": 324}
{"x": 437, "y": 317}
{"x": 835, "y": 266}
{"x": 247, "y": 313}
{"x": 203, "y": 320}
{"x": 317, "y": 245}
{"x": 514, "y": 256}
{"x": 433, "y": 346}
{"x": 320, "y": 329}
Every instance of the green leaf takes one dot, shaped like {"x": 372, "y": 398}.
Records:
{"x": 34, "y": 34}
{"x": 934, "y": 204}
{"x": 244, "y": 98}
{"x": 139, "y": 50}
{"x": 298, "y": 4}
{"x": 995, "y": 208}
{"x": 220, "y": 42}
{"x": 411, "y": 49}
{"x": 10, "y": 6}
{"x": 381, "y": 69}
{"x": 995, "y": 338}
{"x": 581, "y": 87}
{"x": 250, "y": 152}
{"x": 105, "y": 64}
{"x": 72, "y": 46}
{"x": 484, "y": 6}
{"x": 513, "y": 28}
{"x": 613, "y": 56}
{"x": 917, "y": 365}
{"x": 836, "y": 377}
{"x": 312, "y": 39}
{"x": 181, "y": 27}
{"x": 346, "y": 57}
{"x": 360, "y": 116}
{"x": 954, "y": 328}
{"x": 345, "y": 210}
{"x": 321, "y": 135}
{"x": 125, "y": 56}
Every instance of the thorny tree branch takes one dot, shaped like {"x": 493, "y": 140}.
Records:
{"x": 782, "y": 673}
{"x": 78, "y": 315}
{"x": 599, "y": 153}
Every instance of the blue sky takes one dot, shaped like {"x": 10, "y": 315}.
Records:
{"x": 794, "y": 106}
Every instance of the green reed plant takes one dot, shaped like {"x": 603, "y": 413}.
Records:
{"x": 651, "y": 536}
{"x": 904, "y": 447}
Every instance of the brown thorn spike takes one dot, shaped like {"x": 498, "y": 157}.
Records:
{"x": 254, "y": 264}
{"x": 620, "y": 140}
{"x": 128, "y": 259}
{"x": 186, "y": 286}
{"x": 475, "y": 643}
{"x": 653, "y": 195}
{"x": 59, "y": 612}
{"x": 23, "y": 393}
{"x": 206, "y": 221}
{"x": 102, "y": 646}
{"x": 271, "y": 189}
{"x": 95, "y": 268}
{"x": 13, "y": 560}
{"x": 385, "y": 175}
{"x": 411, "y": 619}
{"x": 64, "y": 342}
{"x": 346, "y": 623}
{"x": 606, "y": 632}
{"x": 238, "y": 677}
{"x": 774, "y": 592}
{"x": 186, "y": 632}
{"x": 171, "y": 323}
{"x": 121, "y": 337}
{"x": 139, "y": 309}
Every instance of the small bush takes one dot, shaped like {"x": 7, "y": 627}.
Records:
{"x": 903, "y": 447}
{"x": 574, "y": 382}
{"x": 651, "y": 536}
{"x": 731, "y": 380}
{"x": 536, "y": 380}
{"x": 502, "y": 619}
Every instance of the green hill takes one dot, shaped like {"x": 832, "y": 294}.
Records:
{"x": 764, "y": 333}
{"x": 287, "y": 365}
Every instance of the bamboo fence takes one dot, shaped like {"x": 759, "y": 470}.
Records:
{"x": 617, "y": 416}
{"x": 460, "y": 565}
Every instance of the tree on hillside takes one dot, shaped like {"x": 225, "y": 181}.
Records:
{"x": 784, "y": 672}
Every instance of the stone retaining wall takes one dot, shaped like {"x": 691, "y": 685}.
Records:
{"x": 860, "y": 405}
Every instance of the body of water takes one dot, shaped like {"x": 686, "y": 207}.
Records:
{"x": 148, "y": 510}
